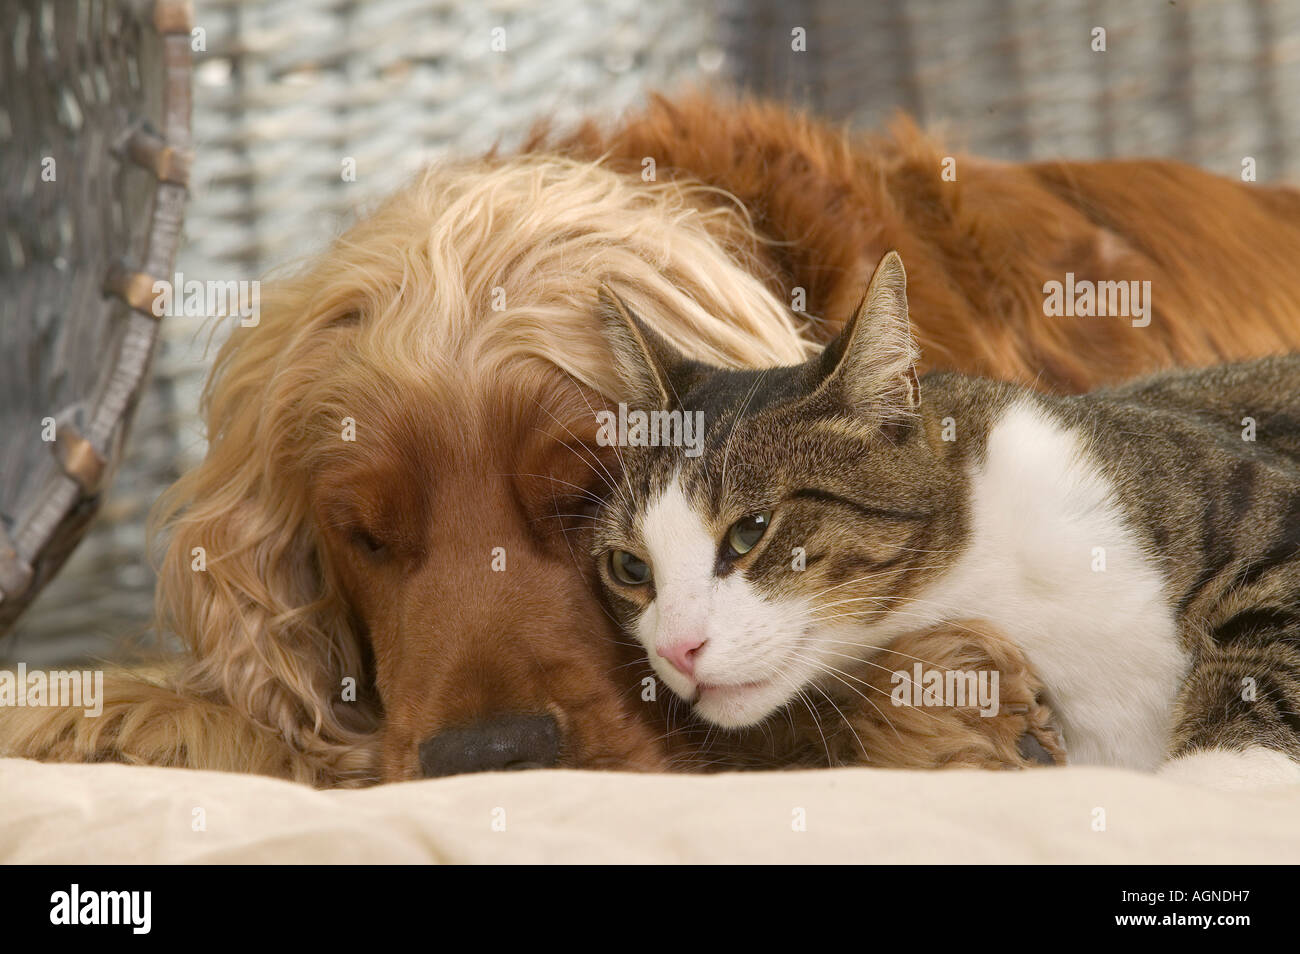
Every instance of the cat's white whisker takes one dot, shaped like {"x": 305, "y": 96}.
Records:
{"x": 618, "y": 453}
{"x": 842, "y": 677}
{"x": 857, "y": 738}
{"x": 556, "y": 480}
{"x": 838, "y": 673}
{"x": 926, "y": 619}
{"x": 799, "y": 693}
{"x": 606, "y": 476}
{"x": 871, "y": 662}
{"x": 875, "y": 575}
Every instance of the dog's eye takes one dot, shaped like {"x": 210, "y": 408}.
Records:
{"x": 367, "y": 542}
{"x": 747, "y": 531}
{"x": 628, "y": 569}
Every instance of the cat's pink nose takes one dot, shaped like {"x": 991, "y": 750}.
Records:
{"x": 680, "y": 653}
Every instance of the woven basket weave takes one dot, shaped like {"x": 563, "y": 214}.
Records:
{"x": 95, "y": 134}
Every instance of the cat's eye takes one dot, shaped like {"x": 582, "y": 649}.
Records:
{"x": 747, "y": 531}
{"x": 628, "y": 569}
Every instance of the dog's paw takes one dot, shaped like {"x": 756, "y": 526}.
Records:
{"x": 959, "y": 695}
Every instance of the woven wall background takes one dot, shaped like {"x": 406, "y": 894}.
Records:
{"x": 286, "y": 89}
{"x": 1205, "y": 81}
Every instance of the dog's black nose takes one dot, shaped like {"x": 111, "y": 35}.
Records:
{"x": 500, "y": 744}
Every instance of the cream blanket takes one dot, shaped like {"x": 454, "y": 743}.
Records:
{"x": 113, "y": 813}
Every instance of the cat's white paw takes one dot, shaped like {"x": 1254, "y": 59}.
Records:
{"x": 1229, "y": 770}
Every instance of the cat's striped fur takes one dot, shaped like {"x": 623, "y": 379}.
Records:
{"x": 1141, "y": 544}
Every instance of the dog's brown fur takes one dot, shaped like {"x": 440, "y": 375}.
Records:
{"x": 393, "y": 327}
{"x": 1219, "y": 254}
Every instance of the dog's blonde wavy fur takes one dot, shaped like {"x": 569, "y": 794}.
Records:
{"x": 471, "y": 271}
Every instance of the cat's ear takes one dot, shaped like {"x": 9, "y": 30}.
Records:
{"x": 872, "y": 364}
{"x": 643, "y": 360}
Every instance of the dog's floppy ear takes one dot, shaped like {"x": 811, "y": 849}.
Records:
{"x": 871, "y": 366}
{"x": 646, "y": 363}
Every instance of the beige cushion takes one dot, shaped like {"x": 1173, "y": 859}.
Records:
{"x": 114, "y": 813}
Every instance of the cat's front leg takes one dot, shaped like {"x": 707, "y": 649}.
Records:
{"x": 1237, "y": 723}
{"x": 959, "y": 695}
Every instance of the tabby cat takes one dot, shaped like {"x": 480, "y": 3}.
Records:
{"x": 1141, "y": 544}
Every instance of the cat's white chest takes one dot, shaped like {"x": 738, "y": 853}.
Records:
{"x": 1053, "y": 565}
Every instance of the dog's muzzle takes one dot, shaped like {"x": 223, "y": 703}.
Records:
{"x": 501, "y": 744}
